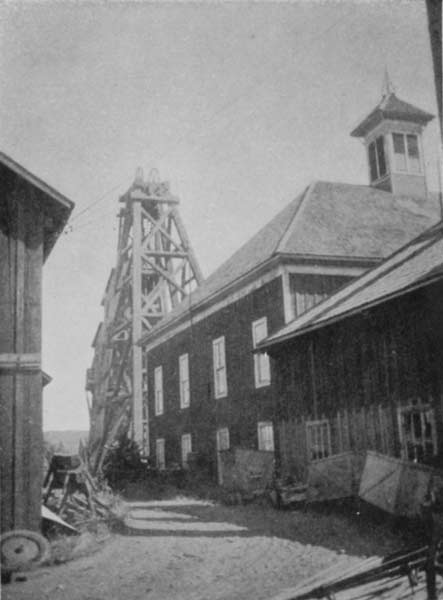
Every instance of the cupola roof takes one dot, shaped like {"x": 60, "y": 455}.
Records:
{"x": 391, "y": 107}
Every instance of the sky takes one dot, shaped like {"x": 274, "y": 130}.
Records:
{"x": 239, "y": 105}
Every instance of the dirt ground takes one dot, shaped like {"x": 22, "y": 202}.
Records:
{"x": 189, "y": 549}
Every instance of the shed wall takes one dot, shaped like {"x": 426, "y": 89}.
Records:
{"x": 21, "y": 251}
{"x": 357, "y": 373}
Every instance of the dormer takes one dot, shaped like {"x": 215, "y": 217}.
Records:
{"x": 392, "y": 134}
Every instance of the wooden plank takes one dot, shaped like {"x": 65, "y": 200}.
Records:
{"x": 13, "y": 360}
{"x": 397, "y": 486}
{"x": 334, "y": 477}
{"x": 313, "y": 378}
{"x": 339, "y": 433}
{"x": 184, "y": 237}
{"x": 33, "y": 450}
{"x": 7, "y": 458}
{"x": 7, "y": 275}
{"x": 19, "y": 499}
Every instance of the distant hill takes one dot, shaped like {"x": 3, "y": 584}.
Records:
{"x": 65, "y": 441}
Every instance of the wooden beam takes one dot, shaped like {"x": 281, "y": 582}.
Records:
{"x": 184, "y": 237}
{"x": 167, "y": 254}
{"x": 165, "y": 274}
{"x": 137, "y": 401}
{"x": 158, "y": 228}
{"x": 313, "y": 375}
{"x": 24, "y": 361}
{"x": 139, "y": 195}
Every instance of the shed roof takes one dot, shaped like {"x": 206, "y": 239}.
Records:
{"x": 328, "y": 221}
{"x": 418, "y": 263}
{"x": 391, "y": 107}
{"x": 55, "y": 205}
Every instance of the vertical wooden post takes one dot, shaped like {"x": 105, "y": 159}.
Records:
{"x": 137, "y": 359}
{"x": 339, "y": 433}
{"x": 288, "y": 309}
{"x": 312, "y": 371}
{"x": 19, "y": 408}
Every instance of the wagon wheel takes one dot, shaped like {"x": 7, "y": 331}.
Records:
{"x": 22, "y": 549}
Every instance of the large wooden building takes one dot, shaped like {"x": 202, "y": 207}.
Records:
{"x": 207, "y": 391}
{"x": 32, "y": 215}
{"x": 363, "y": 369}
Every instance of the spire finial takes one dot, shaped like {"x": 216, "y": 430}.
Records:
{"x": 387, "y": 87}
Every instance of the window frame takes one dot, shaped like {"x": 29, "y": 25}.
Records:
{"x": 261, "y": 426}
{"x": 224, "y": 430}
{"x": 220, "y": 391}
{"x": 159, "y": 407}
{"x": 324, "y": 442}
{"x": 184, "y": 382}
{"x": 378, "y": 144}
{"x": 185, "y": 436}
{"x": 262, "y": 364}
{"x": 406, "y": 147}
{"x": 161, "y": 465}
{"x": 423, "y": 409}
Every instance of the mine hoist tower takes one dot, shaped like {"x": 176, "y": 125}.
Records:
{"x": 156, "y": 269}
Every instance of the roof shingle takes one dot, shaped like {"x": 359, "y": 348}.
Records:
{"x": 331, "y": 221}
{"x": 415, "y": 263}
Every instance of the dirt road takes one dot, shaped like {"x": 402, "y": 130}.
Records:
{"x": 186, "y": 549}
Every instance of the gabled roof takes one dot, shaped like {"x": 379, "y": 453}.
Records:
{"x": 55, "y": 206}
{"x": 418, "y": 263}
{"x": 330, "y": 222}
{"x": 391, "y": 107}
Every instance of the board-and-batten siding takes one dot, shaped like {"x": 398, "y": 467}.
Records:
{"x": 357, "y": 373}
{"x": 307, "y": 290}
{"x": 21, "y": 438}
{"x": 243, "y": 406}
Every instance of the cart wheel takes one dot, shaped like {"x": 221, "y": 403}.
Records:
{"x": 22, "y": 549}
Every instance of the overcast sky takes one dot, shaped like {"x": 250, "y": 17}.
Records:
{"x": 238, "y": 105}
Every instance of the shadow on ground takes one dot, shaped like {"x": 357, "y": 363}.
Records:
{"x": 338, "y": 527}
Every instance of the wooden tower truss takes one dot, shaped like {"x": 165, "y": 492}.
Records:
{"x": 156, "y": 270}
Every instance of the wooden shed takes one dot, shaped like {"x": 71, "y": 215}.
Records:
{"x": 363, "y": 369}
{"x": 32, "y": 216}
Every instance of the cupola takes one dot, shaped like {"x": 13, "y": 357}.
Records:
{"x": 392, "y": 134}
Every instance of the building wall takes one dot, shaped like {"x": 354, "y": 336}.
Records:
{"x": 245, "y": 405}
{"x": 357, "y": 374}
{"x": 21, "y": 438}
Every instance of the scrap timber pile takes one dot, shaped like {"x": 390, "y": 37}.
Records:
{"x": 415, "y": 574}
{"x": 71, "y": 495}
{"x": 155, "y": 271}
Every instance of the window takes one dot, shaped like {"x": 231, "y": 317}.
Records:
{"x": 406, "y": 152}
{"x": 265, "y": 436}
{"x": 158, "y": 390}
{"x": 223, "y": 439}
{"x": 318, "y": 438}
{"x": 220, "y": 384}
{"x": 418, "y": 436}
{"x": 262, "y": 371}
{"x": 186, "y": 448}
{"x": 377, "y": 160}
{"x": 413, "y": 155}
{"x": 183, "y": 367}
{"x": 160, "y": 454}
